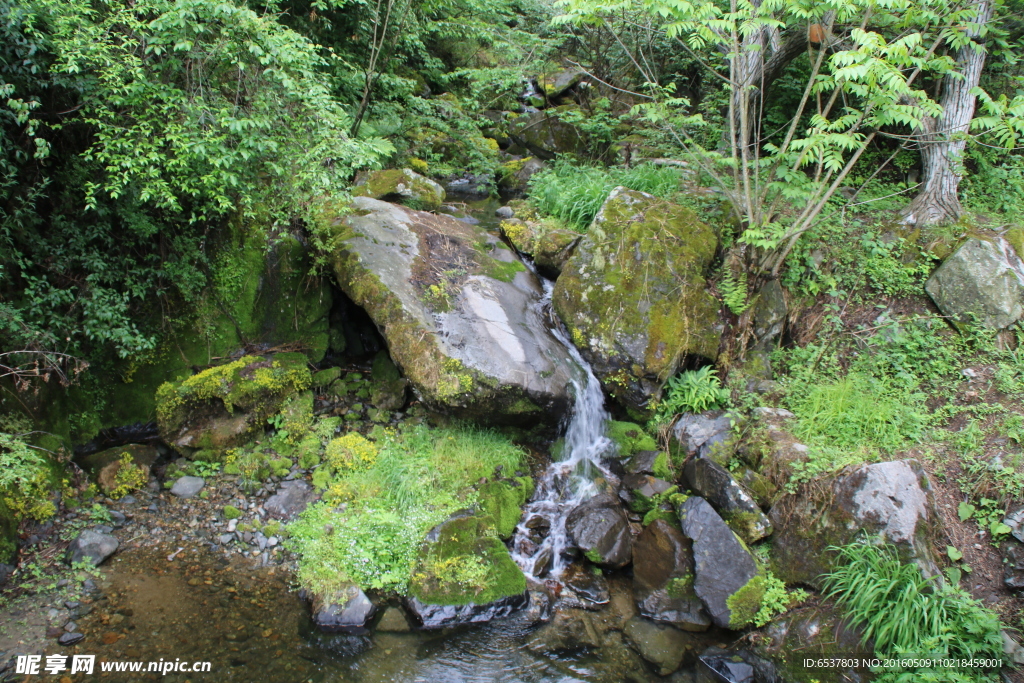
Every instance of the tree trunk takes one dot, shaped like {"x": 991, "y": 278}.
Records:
{"x": 942, "y": 141}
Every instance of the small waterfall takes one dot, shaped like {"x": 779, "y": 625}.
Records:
{"x": 540, "y": 539}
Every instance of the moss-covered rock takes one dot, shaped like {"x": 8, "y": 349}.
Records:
{"x": 503, "y": 502}
{"x": 547, "y": 133}
{"x": 629, "y": 438}
{"x": 458, "y": 310}
{"x": 820, "y": 632}
{"x": 402, "y": 186}
{"x": 982, "y": 280}
{"x": 633, "y": 294}
{"x": 228, "y": 405}
{"x": 548, "y": 244}
{"x": 107, "y": 467}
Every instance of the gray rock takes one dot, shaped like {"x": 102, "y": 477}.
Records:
{"x": 820, "y": 631}
{"x": 70, "y": 627}
{"x": 545, "y": 134}
{"x": 118, "y": 518}
{"x": 569, "y": 630}
{"x": 403, "y": 186}
{"x": 661, "y": 645}
{"x": 734, "y": 505}
{"x": 723, "y": 566}
{"x": 663, "y": 578}
{"x": 224, "y": 539}
{"x": 600, "y": 530}
{"x": 769, "y": 314}
{"x": 438, "y": 616}
{"x": 691, "y": 431}
{"x": 557, "y": 84}
{"x": 1015, "y": 520}
{"x": 346, "y": 610}
{"x": 70, "y": 638}
{"x": 1013, "y": 565}
{"x": 984, "y": 278}
{"x": 1012, "y": 649}
{"x": 891, "y": 502}
{"x": 504, "y": 212}
{"x": 187, "y": 487}
{"x": 642, "y": 462}
{"x": 91, "y": 546}
{"x": 477, "y": 344}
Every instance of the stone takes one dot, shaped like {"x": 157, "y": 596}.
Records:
{"x": 393, "y": 621}
{"x": 727, "y": 578}
{"x": 769, "y": 314}
{"x": 291, "y": 498}
{"x": 70, "y": 639}
{"x": 1015, "y": 520}
{"x": 816, "y": 632}
{"x": 734, "y": 666}
{"x": 545, "y": 133}
{"x": 634, "y": 298}
{"x": 549, "y": 247}
{"x": 556, "y": 84}
{"x": 91, "y": 546}
{"x": 589, "y": 586}
{"x": 664, "y": 646}
{"x": 663, "y": 578}
{"x": 889, "y": 502}
{"x": 643, "y": 462}
{"x": 105, "y": 465}
{"x": 440, "y": 616}
{"x": 1012, "y": 649}
{"x": 402, "y": 186}
{"x": 694, "y": 434}
{"x": 224, "y": 539}
{"x": 983, "y": 279}
{"x": 1013, "y": 565}
{"x": 569, "y": 630}
{"x": 516, "y": 174}
{"x": 714, "y": 483}
{"x": 187, "y": 487}
{"x": 460, "y": 312}
{"x": 600, "y": 530}
{"x": 504, "y": 212}
{"x": 344, "y": 610}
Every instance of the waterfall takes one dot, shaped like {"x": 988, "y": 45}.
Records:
{"x": 540, "y": 539}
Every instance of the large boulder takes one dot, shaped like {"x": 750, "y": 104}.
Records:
{"x": 545, "y": 133}
{"x": 733, "y": 503}
{"x": 227, "y": 405}
{"x": 887, "y": 502}
{"x": 464, "y": 574}
{"x": 460, "y": 312}
{"x": 557, "y": 83}
{"x": 983, "y": 279}
{"x": 633, "y": 294}
{"x": 600, "y": 530}
{"x": 728, "y": 581}
{"x": 663, "y": 578}
{"x": 402, "y": 186}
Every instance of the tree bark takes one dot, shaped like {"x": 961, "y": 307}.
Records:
{"x": 943, "y": 141}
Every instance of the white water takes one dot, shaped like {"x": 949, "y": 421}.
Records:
{"x": 570, "y": 480}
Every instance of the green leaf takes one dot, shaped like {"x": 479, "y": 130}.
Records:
{"x": 999, "y": 529}
{"x": 965, "y": 511}
{"x": 954, "y": 554}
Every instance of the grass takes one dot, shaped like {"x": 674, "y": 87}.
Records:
{"x": 374, "y": 518}
{"x": 575, "y": 194}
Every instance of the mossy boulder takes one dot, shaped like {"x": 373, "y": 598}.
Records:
{"x": 403, "y": 186}
{"x": 629, "y": 438}
{"x": 818, "y": 632}
{"x": 503, "y": 501}
{"x": 886, "y": 502}
{"x": 464, "y": 574}
{"x": 633, "y": 295}
{"x": 982, "y": 280}
{"x": 514, "y": 175}
{"x": 663, "y": 578}
{"x": 228, "y": 405}
{"x": 106, "y": 466}
{"x": 733, "y": 503}
{"x": 548, "y": 244}
{"x": 460, "y": 312}
{"x": 546, "y": 133}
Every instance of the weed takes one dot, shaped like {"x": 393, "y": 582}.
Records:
{"x": 777, "y": 599}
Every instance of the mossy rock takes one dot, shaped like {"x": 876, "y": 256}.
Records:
{"x": 402, "y": 186}
{"x": 104, "y": 466}
{"x": 634, "y": 298}
{"x": 546, "y": 242}
{"x": 546, "y": 133}
{"x": 630, "y": 438}
{"x": 325, "y": 377}
{"x": 8, "y": 535}
{"x": 464, "y": 564}
{"x": 503, "y": 502}
{"x": 228, "y": 405}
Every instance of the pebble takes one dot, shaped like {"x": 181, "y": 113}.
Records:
{"x": 232, "y": 524}
{"x": 272, "y": 541}
{"x": 70, "y": 638}
{"x": 261, "y": 541}
{"x": 128, "y": 500}
{"x": 71, "y": 627}
{"x": 72, "y": 604}
{"x": 52, "y": 614}
{"x": 226, "y": 538}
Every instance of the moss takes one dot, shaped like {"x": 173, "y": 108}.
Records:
{"x": 662, "y": 467}
{"x": 502, "y": 501}
{"x": 630, "y": 438}
{"x": 744, "y": 604}
{"x": 504, "y": 271}
{"x": 324, "y": 377}
{"x": 658, "y": 513}
{"x": 465, "y": 565}
{"x": 231, "y": 512}
{"x": 744, "y": 524}
{"x": 384, "y": 369}
{"x": 594, "y": 556}
{"x": 680, "y": 586}
{"x": 1015, "y": 236}
{"x": 403, "y": 186}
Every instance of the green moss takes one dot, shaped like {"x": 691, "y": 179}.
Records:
{"x": 594, "y": 556}
{"x": 231, "y": 512}
{"x": 680, "y": 587}
{"x": 630, "y": 438}
{"x": 384, "y": 369}
{"x": 1015, "y": 236}
{"x": 744, "y": 604}
{"x": 324, "y": 377}
{"x": 503, "y": 270}
{"x": 662, "y": 467}
{"x": 8, "y": 535}
{"x": 502, "y": 501}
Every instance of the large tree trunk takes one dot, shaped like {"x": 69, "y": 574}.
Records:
{"x": 942, "y": 140}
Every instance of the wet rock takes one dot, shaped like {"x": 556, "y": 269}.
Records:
{"x": 290, "y": 500}
{"x": 815, "y": 632}
{"x": 459, "y": 310}
{"x": 664, "y": 646}
{"x": 589, "y": 586}
{"x": 984, "y": 280}
{"x": 345, "y": 610}
{"x": 393, "y": 621}
{"x": 1013, "y": 565}
{"x": 633, "y": 294}
{"x": 891, "y": 502}
{"x": 70, "y": 638}
{"x": 105, "y": 465}
{"x": 91, "y": 546}
{"x": 648, "y": 462}
{"x": 401, "y": 186}
{"x": 187, "y": 487}
{"x": 714, "y": 483}
{"x": 663, "y": 578}
{"x": 735, "y": 666}
{"x": 727, "y": 580}
{"x": 569, "y": 630}
{"x": 438, "y": 616}
{"x": 769, "y": 314}
{"x": 600, "y": 530}
{"x": 692, "y": 432}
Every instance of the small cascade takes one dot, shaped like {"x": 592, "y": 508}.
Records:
{"x": 540, "y": 541}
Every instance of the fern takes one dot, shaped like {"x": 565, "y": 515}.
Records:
{"x": 734, "y": 291}
{"x": 693, "y": 391}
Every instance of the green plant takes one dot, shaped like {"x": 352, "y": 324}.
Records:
{"x": 204, "y": 468}
{"x": 129, "y": 477}
{"x": 734, "y": 291}
{"x": 24, "y": 479}
{"x": 777, "y": 599}
{"x": 692, "y": 391}
{"x": 988, "y": 514}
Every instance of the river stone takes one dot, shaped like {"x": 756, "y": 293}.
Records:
{"x": 695, "y": 433}
{"x": 516, "y": 174}
{"x": 439, "y": 616}
{"x": 70, "y": 639}
{"x": 545, "y": 133}
{"x": 661, "y": 645}
{"x": 460, "y": 312}
{"x": 733, "y": 503}
{"x": 591, "y": 588}
{"x": 663, "y": 578}
{"x": 889, "y": 502}
{"x": 187, "y": 487}
{"x": 568, "y": 630}
{"x": 549, "y": 247}
{"x": 91, "y": 546}
{"x": 290, "y": 500}
{"x": 600, "y": 530}
{"x": 345, "y": 610}
{"x": 727, "y": 578}
{"x": 104, "y": 465}
{"x": 984, "y": 278}
{"x": 634, "y": 298}
{"x": 402, "y": 186}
